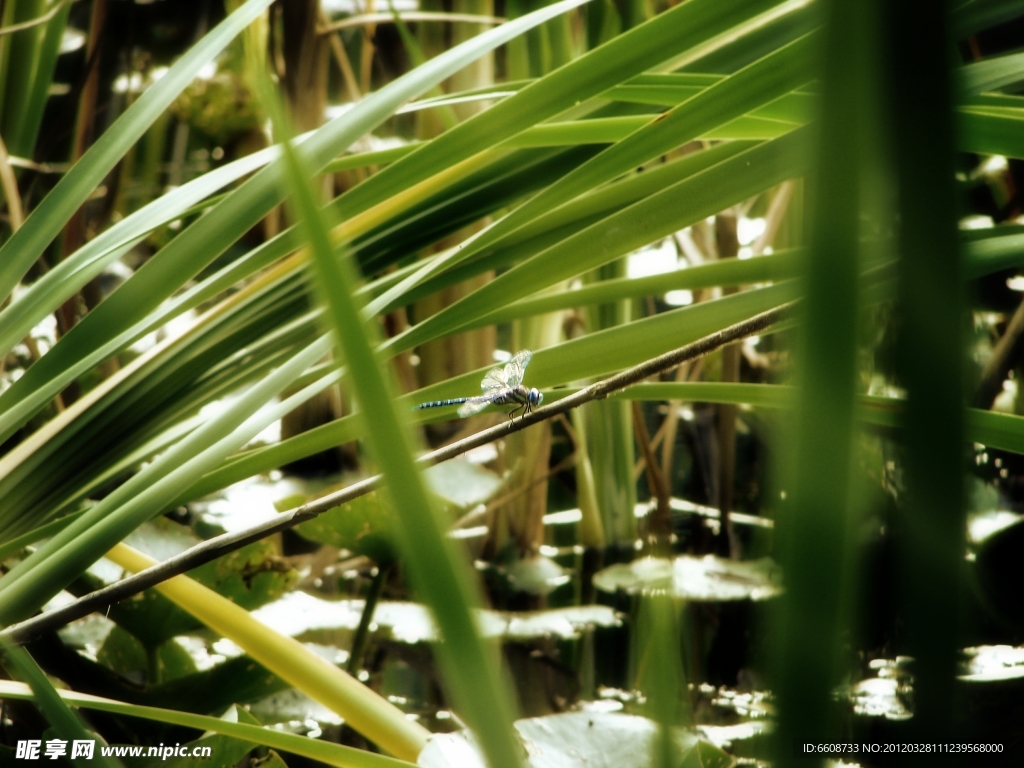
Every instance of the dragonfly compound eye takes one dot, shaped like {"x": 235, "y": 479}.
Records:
{"x": 535, "y": 397}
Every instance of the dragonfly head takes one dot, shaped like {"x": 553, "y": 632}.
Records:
{"x": 534, "y": 396}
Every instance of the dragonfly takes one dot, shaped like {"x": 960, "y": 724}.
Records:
{"x": 503, "y": 385}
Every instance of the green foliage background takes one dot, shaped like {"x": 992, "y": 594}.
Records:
{"x": 265, "y": 277}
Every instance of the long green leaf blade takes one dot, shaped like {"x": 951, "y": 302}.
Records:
{"x": 19, "y": 253}
{"x": 471, "y": 669}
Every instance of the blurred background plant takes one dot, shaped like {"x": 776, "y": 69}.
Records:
{"x": 788, "y": 540}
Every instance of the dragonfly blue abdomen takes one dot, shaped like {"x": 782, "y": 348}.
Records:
{"x": 440, "y": 403}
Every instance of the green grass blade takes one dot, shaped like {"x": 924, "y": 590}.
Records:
{"x": 208, "y": 237}
{"x": 66, "y": 278}
{"x": 812, "y": 539}
{"x": 29, "y": 114}
{"x": 19, "y": 253}
{"x": 609, "y": 130}
{"x": 761, "y": 82}
{"x": 471, "y": 669}
{"x": 315, "y": 749}
{"x": 585, "y": 357}
{"x": 930, "y": 357}
{"x": 1004, "y": 431}
{"x": 662, "y": 213}
{"x": 993, "y": 73}
{"x": 51, "y": 705}
{"x": 678, "y": 29}
{"x": 554, "y": 227}
{"x": 1001, "y": 248}
{"x": 51, "y": 567}
{"x": 972, "y": 16}
{"x": 727, "y": 272}
{"x": 732, "y": 393}
{"x": 992, "y": 134}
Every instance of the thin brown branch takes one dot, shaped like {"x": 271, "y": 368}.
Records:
{"x": 774, "y": 217}
{"x": 10, "y": 186}
{"x": 31, "y": 165}
{"x": 1004, "y": 357}
{"x": 341, "y": 57}
{"x": 659, "y": 525}
{"x": 229, "y": 542}
{"x": 669, "y": 428}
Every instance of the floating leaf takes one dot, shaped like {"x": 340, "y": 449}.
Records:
{"x": 298, "y": 613}
{"x": 748, "y": 704}
{"x": 981, "y": 525}
{"x": 251, "y": 501}
{"x": 726, "y": 736}
{"x": 462, "y": 482}
{"x": 988, "y": 663}
{"x": 886, "y": 695}
{"x": 250, "y": 576}
{"x": 579, "y": 740}
{"x": 702, "y": 579}
{"x": 294, "y": 712}
{"x": 124, "y": 654}
{"x": 537, "y": 575}
{"x": 562, "y": 623}
{"x": 87, "y": 635}
{"x": 361, "y": 526}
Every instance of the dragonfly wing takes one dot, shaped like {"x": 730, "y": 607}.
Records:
{"x": 516, "y": 368}
{"x": 494, "y": 380}
{"x": 473, "y": 406}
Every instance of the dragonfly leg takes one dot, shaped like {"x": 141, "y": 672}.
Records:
{"x": 512, "y": 416}
{"x": 527, "y": 408}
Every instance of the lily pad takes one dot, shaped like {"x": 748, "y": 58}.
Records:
{"x": 888, "y": 694}
{"x": 562, "y": 623}
{"x": 124, "y": 654}
{"x": 251, "y": 501}
{"x": 755, "y": 705}
{"x": 981, "y": 525}
{"x": 701, "y": 579}
{"x": 295, "y": 712}
{"x": 988, "y": 663}
{"x": 250, "y": 577}
{"x": 462, "y": 482}
{"x": 87, "y": 635}
{"x": 361, "y": 526}
{"x": 579, "y": 740}
{"x": 537, "y": 575}
{"x": 879, "y": 697}
{"x": 727, "y": 736}
{"x": 234, "y": 680}
{"x": 297, "y": 613}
